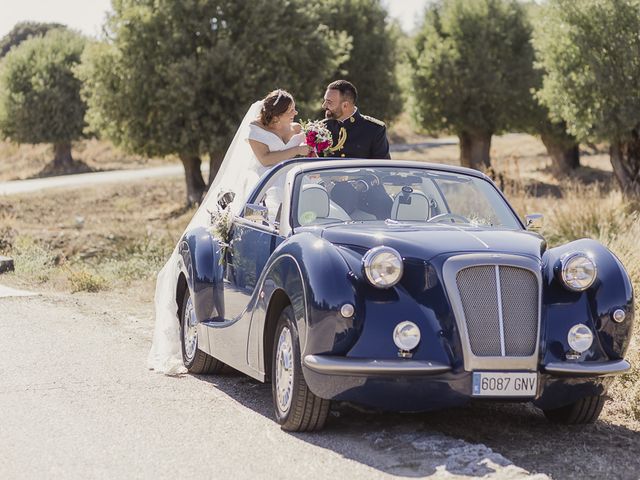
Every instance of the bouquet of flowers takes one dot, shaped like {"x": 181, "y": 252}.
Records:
{"x": 317, "y": 136}
{"x": 220, "y": 228}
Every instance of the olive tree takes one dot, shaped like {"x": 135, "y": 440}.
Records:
{"x": 590, "y": 53}
{"x": 40, "y": 96}
{"x": 371, "y": 60}
{"x": 562, "y": 147}
{"x": 471, "y": 76}
{"x": 22, "y": 31}
{"x": 176, "y": 76}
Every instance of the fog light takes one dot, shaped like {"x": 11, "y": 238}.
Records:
{"x": 406, "y": 336}
{"x": 580, "y": 338}
{"x": 347, "y": 310}
{"x": 619, "y": 315}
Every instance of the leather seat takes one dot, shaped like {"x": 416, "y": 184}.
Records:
{"x": 313, "y": 202}
{"x": 413, "y": 206}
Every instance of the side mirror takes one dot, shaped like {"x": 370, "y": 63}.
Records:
{"x": 224, "y": 199}
{"x": 533, "y": 221}
{"x": 256, "y": 213}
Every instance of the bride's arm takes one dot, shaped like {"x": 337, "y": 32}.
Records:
{"x": 268, "y": 158}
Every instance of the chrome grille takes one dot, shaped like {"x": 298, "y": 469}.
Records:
{"x": 500, "y": 306}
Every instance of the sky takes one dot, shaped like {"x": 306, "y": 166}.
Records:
{"x": 88, "y": 15}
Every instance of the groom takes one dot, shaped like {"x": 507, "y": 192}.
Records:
{"x": 354, "y": 135}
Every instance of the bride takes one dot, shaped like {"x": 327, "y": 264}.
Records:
{"x": 267, "y": 136}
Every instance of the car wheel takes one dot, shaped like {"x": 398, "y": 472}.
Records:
{"x": 585, "y": 410}
{"x": 297, "y": 408}
{"x": 193, "y": 358}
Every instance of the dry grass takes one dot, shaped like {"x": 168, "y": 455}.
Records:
{"x": 104, "y": 239}
{"x": 588, "y": 212}
{"x": 18, "y": 162}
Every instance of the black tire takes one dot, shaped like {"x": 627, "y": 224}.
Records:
{"x": 306, "y": 411}
{"x": 585, "y": 410}
{"x": 200, "y": 362}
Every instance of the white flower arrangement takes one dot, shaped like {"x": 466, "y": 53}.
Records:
{"x": 220, "y": 228}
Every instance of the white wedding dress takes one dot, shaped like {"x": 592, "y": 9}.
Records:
{"x": 239, "y": 173}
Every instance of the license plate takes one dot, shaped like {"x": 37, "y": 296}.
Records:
{"x": 505, "y": 384}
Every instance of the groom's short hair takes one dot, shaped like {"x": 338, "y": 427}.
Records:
{"x": 346, "y": 89}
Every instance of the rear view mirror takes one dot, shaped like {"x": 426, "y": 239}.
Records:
{"x": 256, "y": 213}
{"x": 224, "y": 199}
{"x": 533, "y": 221}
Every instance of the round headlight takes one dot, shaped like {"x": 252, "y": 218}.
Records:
{"x": 382, "y": 266}
{"x": 580, "y": 338}
{"x": 406, "y": 336}
{"x": 578, "y": 271}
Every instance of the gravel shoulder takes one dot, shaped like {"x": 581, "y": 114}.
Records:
{"x": 76, "y": 400}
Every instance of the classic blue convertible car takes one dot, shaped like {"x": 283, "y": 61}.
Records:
{"x": 403, "y": 286}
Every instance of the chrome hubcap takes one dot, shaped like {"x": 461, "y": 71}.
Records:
{"x": 284, "y": 370}
{"x": 189, "y": 331}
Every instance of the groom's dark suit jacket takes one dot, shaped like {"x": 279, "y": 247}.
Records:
{"x": 366, "y": 137}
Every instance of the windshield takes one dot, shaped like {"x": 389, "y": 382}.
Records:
{"x": 398, "y": 195}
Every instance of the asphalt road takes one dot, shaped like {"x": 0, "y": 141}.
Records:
{"x": 76, "y": 401}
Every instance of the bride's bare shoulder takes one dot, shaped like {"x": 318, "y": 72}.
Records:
{"x": 296, "y": 127}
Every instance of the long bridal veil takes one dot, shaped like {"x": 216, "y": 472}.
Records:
{"x": 239, "y": 172}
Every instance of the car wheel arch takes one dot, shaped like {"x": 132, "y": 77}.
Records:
{"x": 181, "y": 287}
{"x": 277, "y": 303}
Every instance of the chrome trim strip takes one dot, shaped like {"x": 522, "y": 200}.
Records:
{"x": 500, "y": 317}
{"x": 587, "y": 369}
{"x": 248, "y": 223}
{"x": 333, "y": 365}
{"x": 450, "y": 271}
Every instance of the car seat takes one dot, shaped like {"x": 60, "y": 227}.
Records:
{"x": 347, "y": 197}
{"x": 313, "y": 203}
{"x": 410, "y": 205}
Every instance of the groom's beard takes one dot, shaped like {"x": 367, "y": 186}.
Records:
{"x": 330, "y": 114}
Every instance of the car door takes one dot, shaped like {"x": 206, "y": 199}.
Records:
{"x": 252, "y": 243}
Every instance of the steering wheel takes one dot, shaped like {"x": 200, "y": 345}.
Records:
{"x": 445, "y": 216}
{"x": 360, "y": 185}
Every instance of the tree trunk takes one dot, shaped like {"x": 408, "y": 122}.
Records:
{"x": 564, "y": 152}
{"x": 62, "y": 160}
{"x": 625, "y": 159}
{"x": 475, "y": 150}
{"x": 215, "y": 161}
{"x": 193, "y": 176}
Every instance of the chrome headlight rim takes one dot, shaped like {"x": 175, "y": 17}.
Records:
{"x": 368, "y": 262}
{"x": 566, "y": 260}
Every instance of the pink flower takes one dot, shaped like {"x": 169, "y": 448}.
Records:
{"x": 322, "y": 146}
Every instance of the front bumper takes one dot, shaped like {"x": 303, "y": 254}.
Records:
{"x": 334, "y": 365}
{"x": 417, "y": 385}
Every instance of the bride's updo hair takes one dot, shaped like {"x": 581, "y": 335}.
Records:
{"x": 274, "y": 105}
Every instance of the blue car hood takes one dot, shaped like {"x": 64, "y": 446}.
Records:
{"x": 428, "y": 241}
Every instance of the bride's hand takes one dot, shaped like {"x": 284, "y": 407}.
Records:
{"x": 304, "y": 150}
